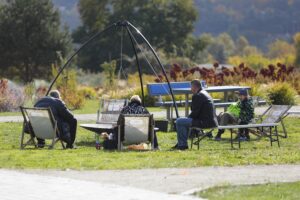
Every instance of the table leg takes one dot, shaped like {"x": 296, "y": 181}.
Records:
{"x": 231, "y": 139}
{"x": 168, "y": 113}
{"x": 225, "y": 99}
{"x": 186, "y": 105}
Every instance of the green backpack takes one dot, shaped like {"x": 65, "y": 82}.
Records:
{"x": 234, "y": 109}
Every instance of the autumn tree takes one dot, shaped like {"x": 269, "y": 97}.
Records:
{"x": 30, "y": 38}
{"x": 165, "y": 23}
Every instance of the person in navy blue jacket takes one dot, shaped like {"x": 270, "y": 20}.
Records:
{"x": 66, "y": 122}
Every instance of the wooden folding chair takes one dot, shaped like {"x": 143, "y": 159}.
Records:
{"x": 42, "y": 124}
{"x": 135, "y": 129}
{"x": 197, "y": 134}
{"x": 274, "y": 114}
{"x": 109, "y": 110}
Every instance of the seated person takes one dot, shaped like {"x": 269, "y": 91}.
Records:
{"x": 66, "y": 122}
{"x": 202, "y": 115}
{"x": 135, "y": 107}
{"x": 245, "y": 115}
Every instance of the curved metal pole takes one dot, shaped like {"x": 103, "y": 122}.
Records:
{"x": 138, "y": 64}
{"x": 76, "y": 52}
{"x": 158, "y": 60}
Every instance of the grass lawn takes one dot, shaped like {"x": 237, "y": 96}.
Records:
{"x": 274, "y": 191}
{"x": 10, "y": 114}
{"x": 211, "y": 153}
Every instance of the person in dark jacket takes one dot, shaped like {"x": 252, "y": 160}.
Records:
{"x": 66, "y": 122}
{"x": 202, "y": 115}
{"x": 245, "y": 104}
{"x": 135, "y": 107}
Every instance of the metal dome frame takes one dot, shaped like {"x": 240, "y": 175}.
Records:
{"x": 127, "y": 25}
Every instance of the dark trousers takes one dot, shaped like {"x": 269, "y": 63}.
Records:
{"x": 73, "y": 129}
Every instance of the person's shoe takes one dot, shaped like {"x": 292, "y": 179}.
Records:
{"x": 218, "y": 137}
{"x": 182, "y": 148}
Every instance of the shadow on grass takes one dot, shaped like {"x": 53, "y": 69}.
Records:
{"x": 86, "y": 143}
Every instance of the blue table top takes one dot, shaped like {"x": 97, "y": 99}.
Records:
{"x": 211, "y": 89}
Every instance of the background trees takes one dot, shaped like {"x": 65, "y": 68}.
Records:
{"x": 166, "y": 23}
{"x": 30, "y": 39}
{"x": 297, "y": 46}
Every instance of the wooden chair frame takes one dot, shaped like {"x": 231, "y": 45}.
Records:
{"x": 26, "y": 123}
{"x": 121, "y": 128}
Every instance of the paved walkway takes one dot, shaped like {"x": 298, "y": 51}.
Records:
{"x": 17, "y": 185}
{"x": 184, "y": 180}
{"x": 162, "y": 184}
{"x": 157, "y": 114}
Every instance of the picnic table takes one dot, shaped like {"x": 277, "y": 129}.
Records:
{"x": 99, "y": 128}
{"x": 210, "y": 89}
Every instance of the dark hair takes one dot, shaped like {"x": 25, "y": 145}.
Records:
{"x": 196, "y": 83}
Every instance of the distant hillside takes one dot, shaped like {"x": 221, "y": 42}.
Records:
{"x": 261, "y": 21}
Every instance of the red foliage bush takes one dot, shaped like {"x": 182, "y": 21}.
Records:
{"x": 217, "y": 75}
{"x": 11, "y": 96}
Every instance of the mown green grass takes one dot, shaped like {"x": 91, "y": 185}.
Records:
{"x": 9, "y": 114}
{"x": 211, "y": 153}
{"x": 273, "y": 191}
{"x": 90, "y": 107}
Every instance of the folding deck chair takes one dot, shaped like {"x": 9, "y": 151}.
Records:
{"x": 270, "y": 120}
{"x": 109, "y": 110}
{"x": 276, "y": 114}
{"x": 135, "y": 129}
{"x": 199, "y": 134}
{"x": 40, "y": 123}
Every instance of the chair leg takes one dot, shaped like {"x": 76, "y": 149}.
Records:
{"x": 22, "y": 137}
{"x": 284, "y": 129}
{"x": 271, "y": 139}
{"x": 152, "y": 139}
{"x": 198, "y": 139}
{"x": 239, "y": 139}
{"x": 231, "y": 139}
{"x": 62, "y": 144}
{"x": 276, "y": 132}
{"x": 54, "y": 140}
{"x": 119, "y": 139}
{"x": 30, "y": 141}
{"x": 192, "y": 138}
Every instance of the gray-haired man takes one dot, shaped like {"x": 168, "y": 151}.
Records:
{"x": 67, "y": 124}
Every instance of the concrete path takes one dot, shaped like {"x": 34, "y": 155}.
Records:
{"x": 17, "y": 185}
{"x": 185, "y": 180}
{"x": 157, "y": 114}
